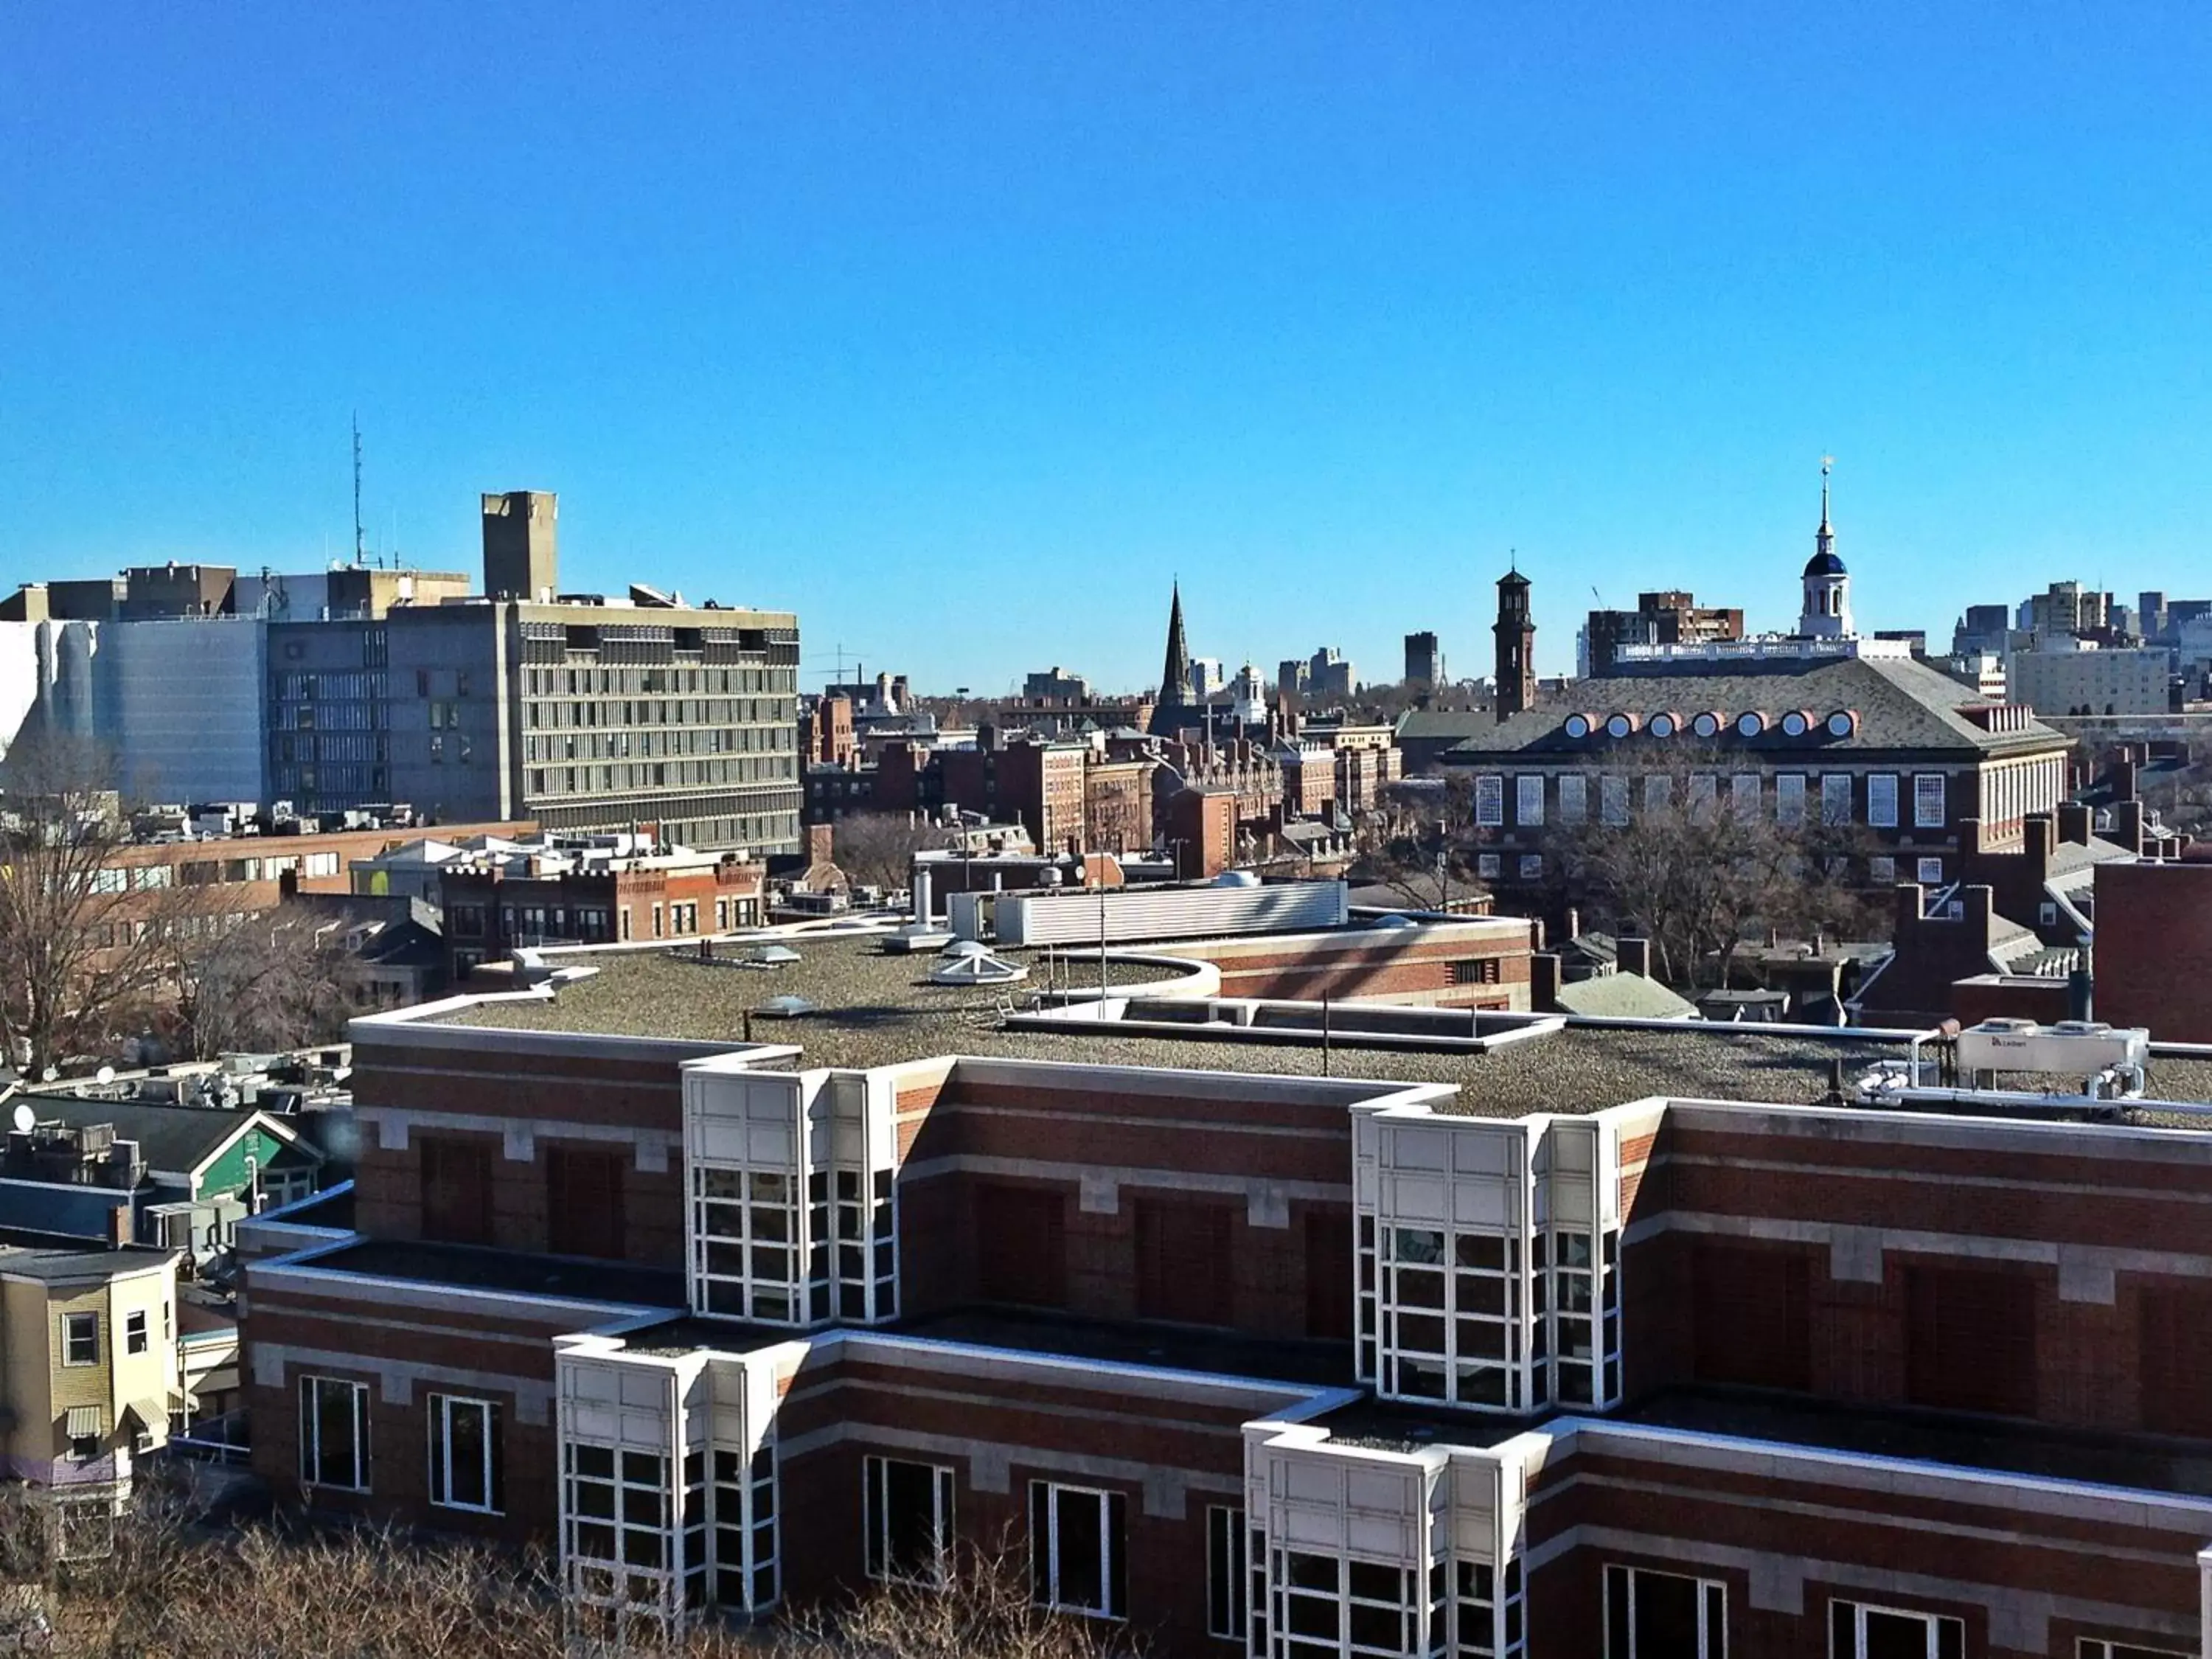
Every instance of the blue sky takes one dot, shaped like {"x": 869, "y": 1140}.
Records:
{"x": 962, "y": 329}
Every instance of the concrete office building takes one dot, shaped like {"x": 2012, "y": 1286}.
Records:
{"x": 2060, "y": 680}
{"x": 1425, "y": 661}
{"x": 585, "y": 714}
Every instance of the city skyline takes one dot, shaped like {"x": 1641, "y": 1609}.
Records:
{"x": 1058, "y": 306}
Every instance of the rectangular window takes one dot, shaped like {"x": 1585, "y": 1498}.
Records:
{"x": 1477, "y": 971}
{"x": 1664, "y": 1615}
{"x": 333, "y": 1433}
{"x": 1183, "y": 1258}
{"x": 1928, "y": 800}
{"x": 1930, "y": 871}
{"x": 1613, "y": 800}
{"x": 1859, "y": 1631}
{"x": 1881, "y": 869}
{"x": 1487, "y": 865}
{"x": 80, "y": 1338}
{"x": 584, "y": 1202}
{"x": 1658, "y": 792}
{"x": 1490, "y": 1625}
{"x": 1079, "y": 1559}
{"x": 1836, "y": 798}
{"x": 1225, "y": 1571}
{"x": 2092, "y": 1648}
{"x": 1528, "y": 799}
{"x": 1489, "y": 800}
{"x": 1532, "y": 867}
{"x": 464, "y": 1454}
{"x": 1882, "y": 800}
{"x": 134, "y": 1332}
{"x": 1574, "y": 799}
{"x": 456, "y": 1190}
{"x": 907, "y": 1512}
{"x": 1704, "y": 792}
{"x": 1789, "y": 799}
{"x": 1743, "y": 794}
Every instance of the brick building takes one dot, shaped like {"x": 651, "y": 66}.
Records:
{"x": 2154, "y": 948}
{"x": 557, "y": 895}
{"x": 1505, "y": 1336}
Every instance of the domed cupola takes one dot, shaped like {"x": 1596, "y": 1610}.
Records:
{"x": 1827, "y": 610}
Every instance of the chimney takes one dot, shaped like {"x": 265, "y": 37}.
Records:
{"x": 2124, "y": 776}
{"x": 2128, "y": 820}
{"x": 1574, "y": 923}
{"x": 1635, "y": 956}
{"x": 120, "y": 1229}
{"x": 2075, "y": 822}
{"x": 2041, "y": 833}
{"x": 2081, "y": 983}
{"x": 1544, "y": 982}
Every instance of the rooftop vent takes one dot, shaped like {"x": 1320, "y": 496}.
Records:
{"x": 786, "y": 1007}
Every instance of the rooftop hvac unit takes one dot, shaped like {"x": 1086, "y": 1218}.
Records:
{"x": 2071, "y": 1047}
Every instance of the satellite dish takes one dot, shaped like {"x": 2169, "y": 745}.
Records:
{"x": 48, "y": 1075}
{"x": 25, "y": 1119}
{"x": 104, "y": 1074}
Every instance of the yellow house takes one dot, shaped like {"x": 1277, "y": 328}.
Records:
{"x": 88, "y": 1363}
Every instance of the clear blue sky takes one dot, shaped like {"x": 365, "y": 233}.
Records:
{"x": 961, "y": 328}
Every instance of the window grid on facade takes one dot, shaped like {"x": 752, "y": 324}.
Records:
{"x": 1863, "y": 1630}
{"x": 1612, "y": 800}
{"x": 1449, "y": 1319}
{"x": 1743, "y": 794}
{"x": 1836, "y": 798}
{"x": 1327, "y": 1609}
{"x": 748, "y": 1243}
{"x": 1079, "y": 1550}
{"x": 1928, "y": 800}
{"x": 1664, "y": 1615}
{"x": 907, "y": 1521}
{"x": 1489, "y": 1610}
{"x": 2092, "y": 1647}
{"x": 1256, "y": 1605}
{"x": 1528, "y": 799}
{"x": 1226, "y": 1571}
{"x": 746, "y": 1561}
{"x": 1574, "y": 798}
{"x": 1489, "y": 800}
{"x": 1585, "y": 1310}
{"x": 1789, "y": 798}
{"x": 81, "y": 1339}
{"x": 466, "y": 1471}
{"x": 620, "y": 1542}
{"x": 1882, "y": 800}
{"x": 333, "y": 1433}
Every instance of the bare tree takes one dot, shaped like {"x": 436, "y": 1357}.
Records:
{"x": 81, "y": 950}
{"x": 260, "y": 982}
{"x": 1420, "y": 843}
{"x": 876, "y": 849}
{"x": 1671, "y": 854}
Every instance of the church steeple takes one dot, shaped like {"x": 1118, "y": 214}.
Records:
{"x": 1175, "y": 675}
{"x": 1827, "y": 612}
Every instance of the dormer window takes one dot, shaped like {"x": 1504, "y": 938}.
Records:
{"x": 1750, "y": 723}
{"x": 1705, "y": 725}
{"x": 1843, "y": 723}
{"x": 1620, "y": 725}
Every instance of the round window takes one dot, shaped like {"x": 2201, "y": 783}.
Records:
{"x": 1706, "y": 726}
{"x": 1750, "y": 724}
{"x": 1840, "y": 724}
{"x": 1795, "y": 724}
{"x": 1618, "y": 726}
{"x": 1578, "y": 726}
{"x": 1663, "y": 726}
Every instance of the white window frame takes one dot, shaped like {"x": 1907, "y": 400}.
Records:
{"x": 1574, "y": 798}
{"x": 1882, "y": 800}
{"x": 1928, "y": 872}
{"x": 1658, "y": 792}
{"x": 1228, "y": 1572}
{"x": 875, "y": 1512}
{"x": 310, "y": 1450}
{"x": 1489, "y": 867}
{"x": 1745, "y": 790}
{"x": 486, "y": 1500}
{"x": 1532, "y": 867}
{"x": 1612, "y": 799}
{"x": 136, "y": 1338}
{"x": 1934, "y": 1623}
{"x": 75, "y": 1325}
{"x": 2098, "y": 1647}
{"x": 1490, "y": 801}
{"x": 1528, "y": 799}
{"x": 1622, "y": 1580}
{"x": 1789, "y": 799}
{"x": 1881, "y": 867}
{"x": 1931, "y": 800}
{"x": 1045, "y": 1588}
{"x": 1835, "y": 798}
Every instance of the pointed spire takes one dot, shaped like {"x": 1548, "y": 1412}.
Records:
{"x": 1175, "y": 675}
{"x": 1826, "y": 461}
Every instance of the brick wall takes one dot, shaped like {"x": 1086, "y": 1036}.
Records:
{"x": 2154, "y": 949}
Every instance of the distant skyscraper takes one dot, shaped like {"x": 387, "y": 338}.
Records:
{"x": 1517, "y": 646}
{"x": 1425, "y": 661}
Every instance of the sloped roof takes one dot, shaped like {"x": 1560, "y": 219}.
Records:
{"x": 1901, "y": 705}
{"x": 176, "y": 1140}
{"x": 1624, "y": 996}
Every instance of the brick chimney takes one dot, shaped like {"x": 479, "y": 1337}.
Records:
{"x": 121, "y": 1230}
{"x": 1544, "y": 982}
{"x": 2128, "y": 819}
{"x": 2075, "y": 823}
{"x": 821, "y": 841}
{"x": 1635, "y": 956}
{"x": 2041, "y": 833}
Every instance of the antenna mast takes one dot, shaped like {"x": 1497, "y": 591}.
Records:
{"x": 360, "y": 553}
